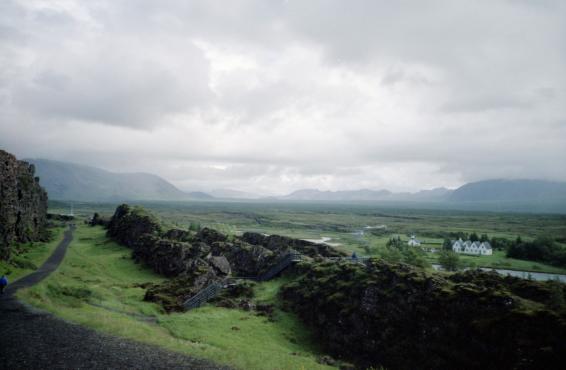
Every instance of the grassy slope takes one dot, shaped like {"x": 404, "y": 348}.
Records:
{"x": 35, "y": 254}
{"x": 97, "y": 272}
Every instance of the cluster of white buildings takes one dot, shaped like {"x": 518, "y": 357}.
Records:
{"x": 469, "y": 247}
{"x": 460, "y": 246}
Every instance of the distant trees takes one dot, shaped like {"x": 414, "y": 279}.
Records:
{"x": 395, "y": 242}
{"x": 500, "y": 243}
{"x": 449, "y": 260}
{"x": 447, "y": 245}
{"x": 398, "y": 251}
{"x": 542, "y": 249}
{"x": 415, "y": 257}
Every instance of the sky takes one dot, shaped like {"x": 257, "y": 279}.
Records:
{"x": 273, "y": 96}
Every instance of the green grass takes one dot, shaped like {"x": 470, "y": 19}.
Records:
{"x": 96, "y": 286}
{"x": 32, "y": 257}
{"x": 341, "y": 221}
{"x": 499, "y": 260}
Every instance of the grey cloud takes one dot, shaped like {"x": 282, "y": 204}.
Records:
{"x": 321, "y": 93}
{"x": 485, "y": 103}
{"x": 90, "y": 75}
{"x": 129, "y": 94}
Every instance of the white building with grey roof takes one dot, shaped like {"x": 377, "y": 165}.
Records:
{"x": 469, "y": 247}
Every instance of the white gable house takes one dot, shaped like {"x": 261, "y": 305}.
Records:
{"x": 413, "y": 242}
{"x": 458, "y": 246}
{"x": 485, "y": 249}
{"x": 469, "y": 247}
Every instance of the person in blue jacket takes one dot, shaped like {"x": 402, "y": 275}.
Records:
{"x": 3, "y": 283}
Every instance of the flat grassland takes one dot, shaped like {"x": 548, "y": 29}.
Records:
{"x": 361, "y": 228}
{"x": 98, "y": 285}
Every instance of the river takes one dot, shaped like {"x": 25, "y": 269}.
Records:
{"x": 539, "y": 276}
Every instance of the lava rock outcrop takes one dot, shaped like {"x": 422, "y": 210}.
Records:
{"x": 278, "y": 243}
{"x": 400, "y": 317}
{"x": 194, "y": 260}
{"x": 23, "y": 204}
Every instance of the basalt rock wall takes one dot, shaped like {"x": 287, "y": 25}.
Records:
{"x": 278, "y": 243}
{"x": 194, "y": 260}
{"x": 399, "y": 317}
{"x": 23, "y": 204}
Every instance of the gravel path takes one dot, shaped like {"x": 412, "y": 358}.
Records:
{"x": 33, "y": 339}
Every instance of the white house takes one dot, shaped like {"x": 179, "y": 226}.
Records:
{"x": 414, "y": 242}
{"x": 469, "y": 247}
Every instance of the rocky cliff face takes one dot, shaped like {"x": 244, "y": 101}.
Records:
{"x": 278, "y": 243}
{"x": 23, "y": 204}
{"x": 399, "y": 317}
{"x": 195, "y": 260}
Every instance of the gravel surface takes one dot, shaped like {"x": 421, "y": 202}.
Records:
{"x": 34, "y": 339}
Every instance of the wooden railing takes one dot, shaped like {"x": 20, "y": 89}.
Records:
{"x": 281, "y": 265}
{"x": 214, "y": 289}
{"x": 204, "y": 295}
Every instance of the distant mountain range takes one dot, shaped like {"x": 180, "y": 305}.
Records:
{"x": 69, "y": 181}
{"x": 510, "y": 191}
{"x": 366, "y": 195}
{"x": 490, "y": 195}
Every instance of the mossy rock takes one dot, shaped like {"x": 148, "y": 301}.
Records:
{"x": 397, "y": 316}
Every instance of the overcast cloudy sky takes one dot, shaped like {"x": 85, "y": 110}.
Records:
{"x": 272, "y": 96}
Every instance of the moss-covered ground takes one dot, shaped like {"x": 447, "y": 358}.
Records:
{"x": 98, "y": 285}
{"x": 30, "y": 256}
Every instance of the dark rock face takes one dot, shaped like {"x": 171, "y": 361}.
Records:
{"x": 395, "y": 316}
{"x": 129, "y": 223}
{"x": 98, "y": 220}
{"x": 279, "y": 244}
{"x": 167, "y": 257}
{"x": 210, "y": 236}
{"x": 246, "y": 259}
{"x": 178, "y": 234}
{"x": 23, "y": 204}
{"x": 176, "y": 252}
{"x": 195, "y": 260}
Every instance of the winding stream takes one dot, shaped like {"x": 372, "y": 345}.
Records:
{"x": 538, "y": 276}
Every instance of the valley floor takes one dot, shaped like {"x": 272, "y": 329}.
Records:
{"x": 364, "y": 229}
{"x": 98, "y": 286}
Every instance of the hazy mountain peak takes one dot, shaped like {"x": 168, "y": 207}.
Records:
{"x": 71, "y": 181}
{"x": 509, "y": 190}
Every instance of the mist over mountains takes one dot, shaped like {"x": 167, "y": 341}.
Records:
{"x": 498, "y": 190}
{"x": 438, "y": 194}
{"x": 69, "y": 181}
{"x": 510, "y": 190}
